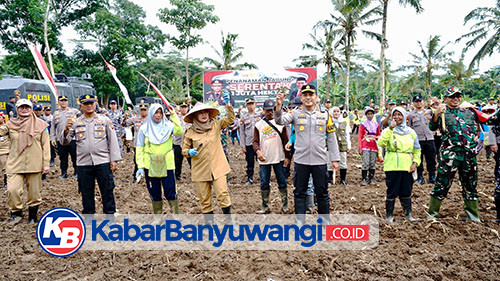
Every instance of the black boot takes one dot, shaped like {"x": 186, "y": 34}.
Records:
{"x": 343, "y": 175}
{"x": 330, "y": 177}
{"x": 389, "y": 210}
{"x": 64, "y": 176}
{"x": 227, "y": 213}
{"x": 33, "y": 211}
{"x": 432, "y": 178}
{"x": 497, "y": 205}
{"x": 363, "y": 175}
{"x": 5, "y": 181}
{"x": 372, "y": 175}
{"x": 16, "y": 217}
{"x": 265, "y": 201}
{"x": 209, "y": 217}
{"x": 406, "y": 204}
{"x": 300, "y": 210}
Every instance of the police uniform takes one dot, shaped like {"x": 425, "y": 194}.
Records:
{"x": 310, "y": 152}
{"x": 457, "y": 152}
{"x": 57, "y": 134}
{"x": 419, "y": 122}
{"x": 246, "y": 130}
{"x": 177, "y": 147}
{"x": 117, "y": 119}
{"x": 96, "y": 147}
{"x": 137, "y": 122}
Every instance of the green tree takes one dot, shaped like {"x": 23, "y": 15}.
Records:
{"x": 431, "y": 57}
{"x": 187, "y": 16}
{"x": 486, "y": 26}
{"x": 345, "y": 22}
{"x": 231, "y": 54}
{"x": 122, "y": 38}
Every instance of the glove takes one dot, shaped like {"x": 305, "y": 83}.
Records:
{"x": 192, "y": 152}
{"x": 140, "y": 172}
{"x": 226, "y": 97}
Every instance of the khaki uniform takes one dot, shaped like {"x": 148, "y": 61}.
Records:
{"x": 59, "y": 123}
{"x": 137, "y": 122}
{"x": 26, "y": 168}
{"x": 209, "y": 166}
{"x": 4, "y": 152}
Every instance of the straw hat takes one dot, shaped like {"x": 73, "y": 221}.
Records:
{"x": 212, "y": 111}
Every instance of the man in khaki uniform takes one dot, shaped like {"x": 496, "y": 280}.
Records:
{"x": 137, "y": 122}
{"x": 97, "y": 152}
{"x": 4, "y": 151}
{"x": 56, "y": 135}
{"x": 29, "y": 157}
{"x": 209, "y": 164}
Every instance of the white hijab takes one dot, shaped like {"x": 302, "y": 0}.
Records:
{"x": 160, "y": 132}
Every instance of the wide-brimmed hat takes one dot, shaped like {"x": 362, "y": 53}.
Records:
{"x": 212, "y": 111}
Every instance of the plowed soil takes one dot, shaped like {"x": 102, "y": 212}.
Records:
{"x": 449, "y": 249}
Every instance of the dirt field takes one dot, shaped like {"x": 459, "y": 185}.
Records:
{"x": 451, "y": 249}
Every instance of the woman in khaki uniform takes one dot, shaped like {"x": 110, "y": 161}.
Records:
{"x": 202, "y": 143}
{"x": 29, "y": 157}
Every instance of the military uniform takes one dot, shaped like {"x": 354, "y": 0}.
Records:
{"x": 97, "y": 146}
{"x": 246, "y": 130}
{"x": 117, "y": 119}
{"x": 310, "y": 156}
{"x": 494, "y": 138}
{"x": 419, "y": 122}
{"x": 57, "y": 134}
{"x": 137, "y": 122}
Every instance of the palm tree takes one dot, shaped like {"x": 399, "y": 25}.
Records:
{"x": 324, "y": 45}
{"x": 431, "y": 56}
{"x": 487, "y": 26}
{"x": 345, "y": 24}
{"x": 457, "y": 72}
{"x": 230, "y": 54}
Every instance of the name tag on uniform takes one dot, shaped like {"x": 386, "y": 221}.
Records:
{"x": 247, "y": 121}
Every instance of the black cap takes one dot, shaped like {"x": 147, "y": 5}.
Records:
{"x": 452, "y": 91}
{"x": 328, "y": 100}
{"x": 249, "y": 100}
{"x": 113, "y": 101}
{"x": 269, "y": 104}
{"x": 418, "y": 98}
{"x": 183, "y": 104}
{"x": 47, "y": 107}
{"x": 143, "y": 106}
{"x": 87, "y": 99}
{"x": 308, "y": 89}
{"x": 63, "y": 98}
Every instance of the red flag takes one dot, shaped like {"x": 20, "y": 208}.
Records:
{"x": 483, "y": 117}
{"x": 162, "y": 97}
{"x": 124, "y": 90}
{"x": 40, "y": 63}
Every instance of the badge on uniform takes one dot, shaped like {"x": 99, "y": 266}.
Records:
{"x": 301, "y": 128}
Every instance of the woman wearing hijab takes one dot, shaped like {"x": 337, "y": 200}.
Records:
{"x": 402, "y": 156}
{"x": 369, "y": 132}
{"x": 209, "y": 166}
{"x": 29, "y": 157}
{"x": 155, "y": 157}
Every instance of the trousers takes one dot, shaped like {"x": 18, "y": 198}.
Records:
{"x": 204, "y": 190}
{"x": 87, "y": 175}
{"x": 15, "y": 188}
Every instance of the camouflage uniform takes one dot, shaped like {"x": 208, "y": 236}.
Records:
{"x": 117, "y": 119}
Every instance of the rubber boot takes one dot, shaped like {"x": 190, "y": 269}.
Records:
{"x": 32, "y": 211}
{"x": 330, "y": 177}
{"x": 157, "y": 207}
{"x": 406, "y": 204}
{"x": 497, "y": 206}
{"x": 209, "y": 217}
{"x": 174, "y": 206}
{"x": 372, "y": 175}
{"x": 227, "y": 213}
{"x": 284, "y": 199}
{"x": 363, "y": 175}
{"x": 4, "y": 181}
{"x": 265, "y": 201}
{"x": 472, "y": 210}
{"x": 15, "y": 217}
{"x": 389, "y": 209}
{"x": 310, "y": 203}
{"x": 434, "y": 206}
{"x": 343, "y": 175}
{"x": 300, "y": 210}
{"x": 432, "y": 178}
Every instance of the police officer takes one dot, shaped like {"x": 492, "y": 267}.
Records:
{"x": 116, "y": 117}
{"x": 247, "y": 126}
{"x": 137, "y": 122}
{"x": 311, "y": 125}
{"x": 184, "y": 108}
{"x": 57, "y": 135}
{"x": 97, "y": 153}
{"x": 419, "y": 122}
{"x": 460, "y": 134}
{"x": 47, "y": 117}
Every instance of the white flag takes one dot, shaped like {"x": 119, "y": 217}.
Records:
{"x": 40, "y": 63}
{"x": 112, "y": 69}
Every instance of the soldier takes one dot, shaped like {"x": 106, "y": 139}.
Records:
{"x": 4, "y": 151}
{"x": 98, "y": 151}
{"x": 38, "y": 110}
{"x": 137, "y": 122}
{"x": 310, "y": 125}
{"x": 460, "y": 134}
{"x": 116, "y": 117}
{"x": 29, "y": 157}
{"x": 57, "y": 135}
{"x": 247, "y": 126}
{"x": 184, "y": 108}
{"x": 419, "y": 122}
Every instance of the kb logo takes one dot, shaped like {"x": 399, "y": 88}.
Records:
{"x": 61, "y": 232}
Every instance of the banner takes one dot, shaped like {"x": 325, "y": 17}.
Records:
{"x": 124, "y": 90}
{"x": 162, "y": 97}
{"x": 40, "y": 63}
{"x": 254, "y": 84}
